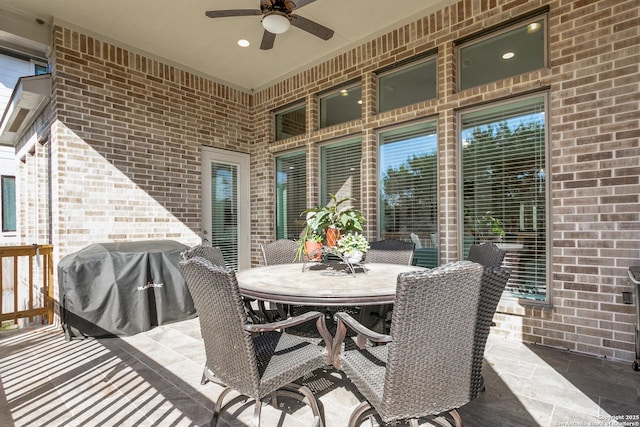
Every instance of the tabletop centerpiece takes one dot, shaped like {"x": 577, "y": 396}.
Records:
{"x": 329, "y": 222}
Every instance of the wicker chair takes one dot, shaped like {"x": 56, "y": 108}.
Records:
{"x": 493, "y": 284}
{"x": 282, "y": 251}
{"x": 487, "y": 254}
{"x": 427, "y": 367}
{"x": 494, "y": 280}
{"x": 256, "y": 360}
{"x": 391, "y": 252}
{"x": 211, "y": 253}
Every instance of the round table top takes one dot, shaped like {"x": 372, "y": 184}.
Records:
{"x": 322, "y": 284}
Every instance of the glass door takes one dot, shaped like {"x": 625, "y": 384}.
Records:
{"x": 225, "y": 207}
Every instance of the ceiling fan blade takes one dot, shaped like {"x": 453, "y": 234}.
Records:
{"x": 268, "y": 39}
{"x": 233, "y": 12}
{"x": 311, "y": 27}
{"x": 301, "y": 3}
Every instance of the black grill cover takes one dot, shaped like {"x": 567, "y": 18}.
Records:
{"x": 123, "y": 288}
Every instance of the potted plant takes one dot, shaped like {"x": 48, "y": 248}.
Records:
{"x": 313, "y": 246}
{"x": 487, "y": 228}
{"x": 335, "y": 219}
{"x": 353, "y": 246}
{"x": 309, "y": 245}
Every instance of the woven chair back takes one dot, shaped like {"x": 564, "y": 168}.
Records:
{"x": 487, "y": 254}
{"x": 229, "y": 348}
{"x": 429, "y": 366}
{"x": 282, "y": 251}
{"x": 494, "y": 281}
{"x": 390, "y": 251}
{"x": 213, "y": 254}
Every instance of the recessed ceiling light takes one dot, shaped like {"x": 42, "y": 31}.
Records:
{"x": 508, "y": 55}
{"x": 243, "y": 43}
{"x": 360, "y": 101}
{"x": 533, "y": 27}
{"x": 344, "y": 92}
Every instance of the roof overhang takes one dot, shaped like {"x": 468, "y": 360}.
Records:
{"x": 30, "y": 95}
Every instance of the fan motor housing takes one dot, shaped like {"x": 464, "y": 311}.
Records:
{"x": 283, "y": 6}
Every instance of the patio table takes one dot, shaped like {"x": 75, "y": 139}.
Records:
{"x": 323, "y": 284}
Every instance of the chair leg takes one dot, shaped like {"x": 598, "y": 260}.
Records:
{"x": 204, "y": 378}
{"x": 357, "y": 413}
{"x": 296, "y": 390}
{"x": 456, "y": 416}
{"x": 256, "y": 413}
{"x": 218, "y": 407}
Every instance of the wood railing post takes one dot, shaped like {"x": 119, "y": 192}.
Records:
{"x": 46, "y": 308}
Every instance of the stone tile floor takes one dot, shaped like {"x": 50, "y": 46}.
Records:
{"x": 153, "y": 379}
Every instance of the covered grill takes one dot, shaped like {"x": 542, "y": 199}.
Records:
{"x": 122, "y": 288}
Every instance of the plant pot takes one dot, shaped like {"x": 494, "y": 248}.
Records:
{"x": 333, "y": 235}
{"x": 312, "y": 251}
{"x": 353, "y": 257}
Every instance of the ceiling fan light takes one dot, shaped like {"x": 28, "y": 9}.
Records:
{"x": 276, "y": 22}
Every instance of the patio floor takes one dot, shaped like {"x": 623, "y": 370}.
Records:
{"x": 153, "y": 379}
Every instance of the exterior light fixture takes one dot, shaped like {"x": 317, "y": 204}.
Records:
{"x": 533, "y": 27}
{"x": 276, "y": 22}
{"x": 243, "y": 43}
{"x": 508, "y": 55}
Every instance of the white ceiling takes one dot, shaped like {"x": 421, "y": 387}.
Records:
{"x": 179, "y": 32}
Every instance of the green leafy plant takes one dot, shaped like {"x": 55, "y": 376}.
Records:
{"x": 353, "y": 242}
{"x": 315, "y": 237}
{"x": 488, "y": 226}
{"x": 334, "y": 214}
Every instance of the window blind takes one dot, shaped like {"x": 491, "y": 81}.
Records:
{"x": 340, "y": 171}
{"x": 224, "y": 211}
{"x": 504, "y": 188}
{"x": 408, "y": 185}
{"x": 291, "y": 194}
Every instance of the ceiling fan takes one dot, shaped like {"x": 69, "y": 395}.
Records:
{"x": 277, "y": 18}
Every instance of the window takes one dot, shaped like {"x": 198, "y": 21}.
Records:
{"x": 291, "y": 194}
{"x": 39, "y": 69}
{"x": 340, "y": 170}
{"x": 407, "y": 85}
{"x": 8, "y": 203}
{"x": 408, "y": 183}
{"x": 517, "y": 49}
{"x": 504, "y": 188}
{"x": 341, "y": 105}
{"x": 290, "y": 122}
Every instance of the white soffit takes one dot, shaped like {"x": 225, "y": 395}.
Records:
{"x": 30, "y": 96}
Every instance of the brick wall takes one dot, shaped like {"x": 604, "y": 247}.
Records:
{"x": 126, "y": 143}
{"x": 595, "y": 156}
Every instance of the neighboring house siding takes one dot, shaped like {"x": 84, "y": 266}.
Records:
{"x": 11, "y": 69}
{"x": 127, "y": 131}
